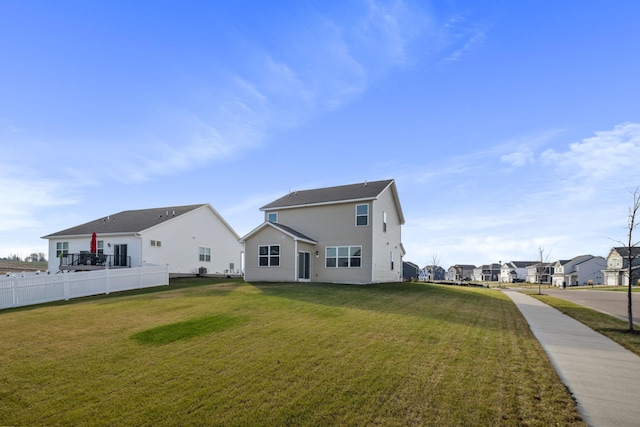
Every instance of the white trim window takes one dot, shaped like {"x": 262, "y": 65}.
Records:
{"x": 272, "y": 217}
{"x": 384, "y": 222}
{"x": 62, "y": 248}
{"x": 269, "y": 255}
{"x": 343, "y": 256}
{"x": 204, "y": 254}
{"x": 362, "y": 215}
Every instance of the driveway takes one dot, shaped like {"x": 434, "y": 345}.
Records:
{"x": 611, "y": 302}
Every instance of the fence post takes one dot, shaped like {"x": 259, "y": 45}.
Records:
{"x": 106, "y": 280}
{"x": 14, "y": 296}
{"x": 66, "y": 286}
{"x": 139, "y": 277}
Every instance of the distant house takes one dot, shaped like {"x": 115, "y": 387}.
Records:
{"x": 343, "y": 234}
{"x": 191, "y": 239}
{"x": 460, "y": 272}
{"x": 617, "y": 270}
{"x": 410, "y": 271}
{"x": 434, "y": 272}
{"x": 579, "y": 270}
{"x": 514, "y": 271}
{"x": 540, "y": 272}
{"x": 487, "y": 273}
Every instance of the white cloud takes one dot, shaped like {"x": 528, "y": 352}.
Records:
{"x": 608, "y": 154}
{"x": 24, "y": 192}
{"x": 519, "y": 158}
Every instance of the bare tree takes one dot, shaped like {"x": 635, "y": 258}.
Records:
{"x": 632, "y": 249}
{"x": 542, "y": 258}
{"x": 435, "y": 260}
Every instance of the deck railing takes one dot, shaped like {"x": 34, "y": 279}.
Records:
{"x": 91, "y": 261}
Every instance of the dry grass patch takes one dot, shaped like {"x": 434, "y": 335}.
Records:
{"x": 301, "y": 354}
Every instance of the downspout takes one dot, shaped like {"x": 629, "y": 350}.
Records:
{"x": 295, "y": 260}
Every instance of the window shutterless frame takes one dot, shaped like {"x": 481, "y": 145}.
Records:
{"x": 362, "y": 215}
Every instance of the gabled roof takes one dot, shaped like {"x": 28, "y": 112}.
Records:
{"x": 133, "y": 221}
{"x": 339, "y": 194}
{"x": 522, "y": 264}
{"x": 623, "y": 251}
{"x": 295, "y": 235}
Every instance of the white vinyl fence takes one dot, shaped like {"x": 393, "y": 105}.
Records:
{"x": 37, "y": 289}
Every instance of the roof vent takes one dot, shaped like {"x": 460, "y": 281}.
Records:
{"x": 365, "y": 183}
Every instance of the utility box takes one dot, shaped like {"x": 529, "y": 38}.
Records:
{"x": 202, "y": 271}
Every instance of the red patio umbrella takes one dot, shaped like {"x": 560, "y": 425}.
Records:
{"x": 94, "y": 243}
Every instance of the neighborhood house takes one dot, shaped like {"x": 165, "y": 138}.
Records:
{"x": 344, "y": 234}
{"x": 191, "y": 239}
{"x": 616, "y": 272}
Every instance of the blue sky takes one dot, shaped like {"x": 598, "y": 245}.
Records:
{"x": 508, "y": 126}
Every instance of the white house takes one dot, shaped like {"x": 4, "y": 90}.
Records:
{"x": 514, "y": 271}
{"x": 343, "y": 234}
{"x": 617, "y": 269}
{"x": 460, "y": 272}
{"x": 579, "y": 270}
{"x": 189, "y": 239}
{"x": 540, "y": 272}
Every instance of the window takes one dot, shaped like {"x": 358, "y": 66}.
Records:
{"x": 62, "y": 248}
{"x": 384, "y": 222}
{"x": 204, "y": 254}
{"x": 362, "y": 215}
{"x": 272, "y": 217}
{"x": 100, "y": 247}
{"x": 156, "y": 243}
{"x": 391, "y": 258}
{"x": 269, "y": 256}
{"x": 343, "y": 256}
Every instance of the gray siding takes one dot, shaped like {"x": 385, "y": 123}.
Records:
{"x": 283, "y": 273}
{"x": 333, "y": 225}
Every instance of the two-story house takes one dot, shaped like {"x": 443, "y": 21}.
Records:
{"x": 487, "y": 273}
{"x": 540, "y": 272}
{"x": 579, "y": 270}
{"x": 343, "y": 234}
{"x": 434, "y": 272}
{"x": 460, "y": 272}
{"x": 617, "y": 270}
{"x": 514, "y": 271}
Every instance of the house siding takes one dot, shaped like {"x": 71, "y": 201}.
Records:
{"x": 386, "y": 243}
{"x": 285, "y": 272}
{"x": 333, "y": 225}
{"x": 183, "y": 236}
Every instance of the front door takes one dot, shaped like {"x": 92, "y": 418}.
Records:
{"x": 120, "y": 255}
{"x": 304, "y": 266}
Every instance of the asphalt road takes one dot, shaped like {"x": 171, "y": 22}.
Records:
{"x": 611, "y": 302}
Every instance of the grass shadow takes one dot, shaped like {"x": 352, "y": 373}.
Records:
{"x": 173, "y": 332}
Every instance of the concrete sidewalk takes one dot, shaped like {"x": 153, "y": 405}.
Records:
{"x": 603, "y": 376}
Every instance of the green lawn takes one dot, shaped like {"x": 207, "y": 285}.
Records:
{"x": 205, "y": 352}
